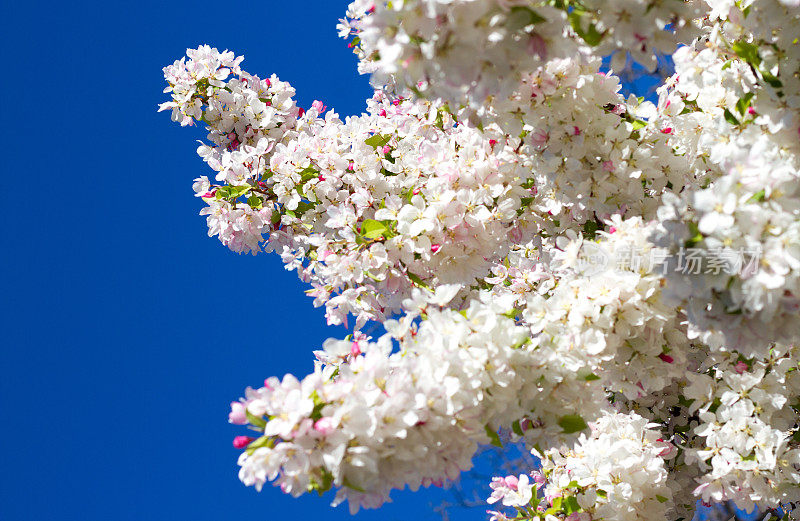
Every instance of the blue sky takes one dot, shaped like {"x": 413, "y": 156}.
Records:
{"x": 125, "y": 330}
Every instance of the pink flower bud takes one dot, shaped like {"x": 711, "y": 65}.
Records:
{"x": 355, "y": 349}
{"x": 512, "y": 482}
{"x": 667, "y": 130}
{"x": 741, "y": 367}
{"x": 435, "y": 247}
{"x": 751, "y": 110}
{"x": 608, "y": 166}
{"x": 665, "y": 357}
{"x": 300, "y": 112}
{"x": 613, "y": 229}
{"x": 324, "y": 426}
{"x": 318, "y": 106}
{"x": 386, "y": 149}
{"x": 382, "y": 113}
{"x": 240, "y": 442}
{"x": 238, "y": 414}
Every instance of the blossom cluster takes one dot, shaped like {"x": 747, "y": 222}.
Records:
{"x": 466, "y": 210}
{"x": 424, "y": 44}
{"x": 373, "y": 417}
{"x": 615, "y": 473}
{"x": 746, "y": 432}
{"x": 734, "y": 106}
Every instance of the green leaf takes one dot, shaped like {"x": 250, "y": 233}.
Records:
{"x": 439, "y": 120}
{"x": 520, "y": 343}
{"x": 591, "y": 35}
{"x": 238, "y": 191}
{"x": 758, "y": 197}
{"x": 495, "y": 439}
{"x": 302, "y": 207}
{"x": 695, "y": 234}
{"x": 378, "y": 140}
{"x": 372, "y": 229}
{"x": 417, "y": 280}
{"x": 639, "y": 124}
{"x": 517, "y": 428}
{"x": 263, "y": 441}
{"x": 590, "y": 229}
{"x": 316, "y": 413}
{"x": 373, "y": 277}
{"x": 255, "y": 202}
{"x": 661, "y": 499}
{"x": 255, "y": 421}
{"x": 730, "y": 118}
{"x": 572, "y": 423}
{"x": 744, "y": 103}
{"x": 771, "y": 79}
{"x": 602, "y": 493}
{"x": 748, "y": 52}
{"x": 571, "y": 505}
{"x": 308, "y": 173}
{"x": 526, "y": 13}
{"x": 591, "y": 377}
